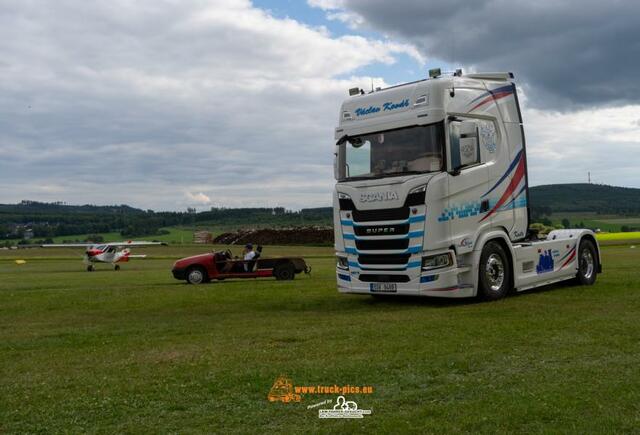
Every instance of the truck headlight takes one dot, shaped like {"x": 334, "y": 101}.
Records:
{"x": 437, "y": 261}
{"x": 343, "y": 263}
{"x": 343, "y": 196}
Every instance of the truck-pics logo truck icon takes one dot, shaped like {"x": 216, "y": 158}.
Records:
{"x": 282, "y": 391}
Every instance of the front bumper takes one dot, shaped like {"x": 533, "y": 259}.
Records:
{"x": 179, "y": 273}
{"x": 437, "y": 283}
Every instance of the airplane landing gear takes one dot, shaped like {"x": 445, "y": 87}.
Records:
{"x": 90, "y": 268}
{"x": 116, "y": 267}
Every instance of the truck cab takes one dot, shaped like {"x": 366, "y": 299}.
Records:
{"x": 432, "y": 194}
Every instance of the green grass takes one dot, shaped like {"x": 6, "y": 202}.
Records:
{"x": 136, "y": 351}
{"x": 176, "y": 235}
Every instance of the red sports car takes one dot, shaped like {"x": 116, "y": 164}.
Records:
{"x": 221, "y": 265}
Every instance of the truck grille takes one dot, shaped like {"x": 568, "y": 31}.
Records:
{"x": 367, "y": 231}
{"x": 366, "y": 259}
{"x": 380, "y": 245}
{"x": 385, "y": 214}
{"x": 381, "y": 230}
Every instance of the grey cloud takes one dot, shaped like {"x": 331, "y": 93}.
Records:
{"x": 112, "y": 102}
{"x": 571, "y": 54}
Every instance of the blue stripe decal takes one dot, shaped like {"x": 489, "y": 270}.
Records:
{"x": 406, "y": 236}
{"x": 412, "y": 250}
{"x": 400, "y": 222}
{"x": 353, "y": 264}
{"x": 491, "y": 92}
{"x": 413, "y": 264}
{"x": 506, "y": 174}
{"x": 344, "y": 277}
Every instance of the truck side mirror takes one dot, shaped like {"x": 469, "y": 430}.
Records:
{"x": 465, "y": 147}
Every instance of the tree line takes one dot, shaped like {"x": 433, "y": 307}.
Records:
{"x": 47, "y": 220}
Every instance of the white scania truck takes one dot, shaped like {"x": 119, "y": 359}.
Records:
{"x": 432, "y": 194}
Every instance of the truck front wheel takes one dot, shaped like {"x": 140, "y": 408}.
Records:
{"x": 495, "y": 272}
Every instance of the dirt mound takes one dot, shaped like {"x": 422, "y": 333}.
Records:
{"x": 284, "y": 236}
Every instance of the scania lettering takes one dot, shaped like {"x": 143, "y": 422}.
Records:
{"x": 378, "y": 196}
{"x": 432, "y": 194}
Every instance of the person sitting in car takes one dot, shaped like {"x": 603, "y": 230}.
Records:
{"x": 249, "y": 254}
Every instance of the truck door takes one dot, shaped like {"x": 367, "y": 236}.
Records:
{"x": 468, "y": 180}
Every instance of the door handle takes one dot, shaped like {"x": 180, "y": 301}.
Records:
{"x": 484, "y": 206}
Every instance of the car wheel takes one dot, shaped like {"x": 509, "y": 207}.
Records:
{"x": 495, "y": 272}
{"x": 587, "y": 263}
{"x": 284, "y": 272}
{"x": 196, "y": 275}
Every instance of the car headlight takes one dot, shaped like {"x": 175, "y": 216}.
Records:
{"x": 437, "y": 261}
{"x": 343, "y": 263}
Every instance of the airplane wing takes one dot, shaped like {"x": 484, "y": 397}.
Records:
{"x": 115, "y": 244}
{"x": 68, "y": 245}
{"x": 134, "y": 243}
{"x": 137, "y": 256}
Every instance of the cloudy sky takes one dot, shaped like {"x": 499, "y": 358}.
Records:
{"x": 166, "y": 104}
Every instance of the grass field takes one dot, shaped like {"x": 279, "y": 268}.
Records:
{"x": 136, "y": 351}
{"x": 611, "y": 223}
{"x": 617, "y": 237}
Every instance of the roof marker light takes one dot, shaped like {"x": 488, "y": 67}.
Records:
{"x": 354, "y": 91}
{"x": 434, "y": 73}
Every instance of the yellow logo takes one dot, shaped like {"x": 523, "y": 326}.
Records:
{"x": 282, "y": 391}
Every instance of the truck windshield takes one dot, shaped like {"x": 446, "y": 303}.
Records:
{"x": 401, "y": 151}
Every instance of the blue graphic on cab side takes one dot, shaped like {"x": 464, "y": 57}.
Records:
{"x": 545, "y": 262}
{"x": 460, "y": 211}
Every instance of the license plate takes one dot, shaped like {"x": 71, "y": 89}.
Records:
{"x": 383, "y": 287}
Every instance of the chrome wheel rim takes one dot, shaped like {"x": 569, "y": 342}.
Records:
{"x": 195, "y": 277}
{"x": 494, "y": 272}
{"x": 587, "y": 265}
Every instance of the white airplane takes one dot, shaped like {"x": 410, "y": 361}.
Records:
{"x": 106, "y": 252}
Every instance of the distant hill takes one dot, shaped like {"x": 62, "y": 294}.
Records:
{"x": 47, "y": 220}
{"x": 610, "y": 208}
{"x": 585, "y": 198}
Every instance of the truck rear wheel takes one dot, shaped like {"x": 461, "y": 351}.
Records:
{"x": 495, "y": 272}
{"x": 196, "y": 275}
{"x": 587, "y": 263}
{"x": 284, "y": 271}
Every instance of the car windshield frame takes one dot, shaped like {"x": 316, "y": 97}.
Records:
{"x": 432, "y": 151}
